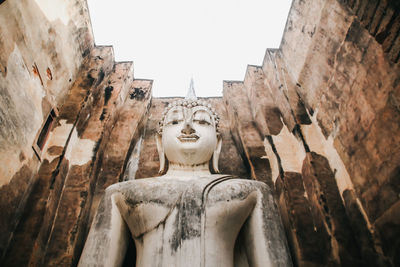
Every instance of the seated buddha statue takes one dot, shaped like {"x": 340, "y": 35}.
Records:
{"x": 188, "y": 216}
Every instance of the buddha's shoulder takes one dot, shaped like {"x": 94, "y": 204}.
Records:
{"x": 172, "y": 183}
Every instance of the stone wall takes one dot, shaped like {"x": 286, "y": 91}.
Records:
{"x": 97, "y": 126}
{"x": 70, "y": 116}
{"x": 326, "y": 106}
{"x": 381, "y": 19}
{"x": 37, "y": 67}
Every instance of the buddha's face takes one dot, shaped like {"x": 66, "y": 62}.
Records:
{"x": 189, "y": 135}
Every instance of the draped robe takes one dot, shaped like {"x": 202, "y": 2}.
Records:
{"x": 216, "y": 220}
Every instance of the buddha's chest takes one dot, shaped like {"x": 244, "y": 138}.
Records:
{"x": 187, "y": 208}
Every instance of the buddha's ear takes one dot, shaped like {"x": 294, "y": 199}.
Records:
{"x": 161, "y": 153}
{"x": 216, "y": 153}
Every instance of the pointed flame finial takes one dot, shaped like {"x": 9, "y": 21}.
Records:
{"x": 191, "y": 95}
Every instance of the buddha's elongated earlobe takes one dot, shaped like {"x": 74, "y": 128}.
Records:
{"x": 161, "y": 154}
{"x": 215, "y": 157}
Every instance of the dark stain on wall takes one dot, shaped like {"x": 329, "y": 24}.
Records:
{"x": 107, "y": 94}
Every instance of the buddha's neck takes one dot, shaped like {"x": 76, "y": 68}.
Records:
{"x": 183, "y": 170}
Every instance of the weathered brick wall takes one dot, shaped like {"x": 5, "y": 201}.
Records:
{"x": 37, "y": 67}
{"x": 98, "y": 123}
{"x": 325, "y": 105}
{"x": 351, "y": 85}
{"x": 381, "y": 19}
{"x": 99, "y": 109}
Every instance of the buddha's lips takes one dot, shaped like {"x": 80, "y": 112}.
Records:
{"x": 188, "y": 138}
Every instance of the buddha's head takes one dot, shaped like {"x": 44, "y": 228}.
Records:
{"x": 188, "y": 135}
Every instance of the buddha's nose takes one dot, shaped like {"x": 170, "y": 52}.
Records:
{"x": 187, "y": 128}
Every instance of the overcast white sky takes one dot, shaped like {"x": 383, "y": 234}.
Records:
{"x": 170, "y": 41}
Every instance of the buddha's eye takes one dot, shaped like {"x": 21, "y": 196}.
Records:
{"x": 174, "y": 116}
{"x": 202, "y": 117}
{"x": 174, "y": 122}
{"x": 203, "y": 122}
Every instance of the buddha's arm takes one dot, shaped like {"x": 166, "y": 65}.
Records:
{"x": 107, "y": 241}
{"x": 263, "y": 233}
